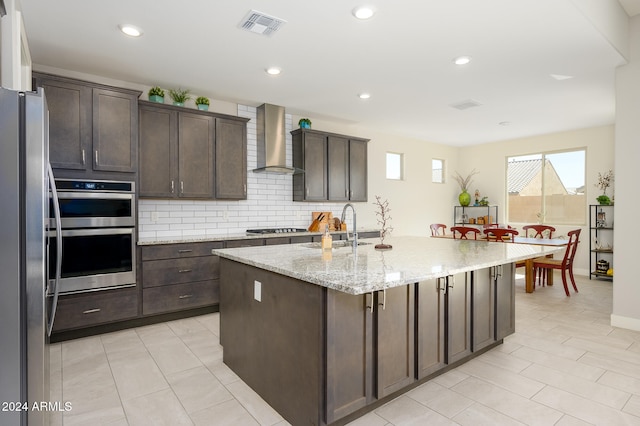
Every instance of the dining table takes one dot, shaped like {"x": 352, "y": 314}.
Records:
{"x": 529, "y": 273}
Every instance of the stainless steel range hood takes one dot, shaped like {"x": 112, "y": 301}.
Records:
{"x": 272, "y": 147}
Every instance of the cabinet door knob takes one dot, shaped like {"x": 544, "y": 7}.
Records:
{"x": 182, "y": 271}
{"x": 384, "y": 298}
{"x": 91, "y": 311}
{"x": 369, "y": 302}
{"x": 185, "y": 296}
{"x": 97, "y": 157}
{"x": 185, "y": 251}
{"x": 84, "y": 162}
{"x": 182, "y": 187}
{"x": 173, "y": 189}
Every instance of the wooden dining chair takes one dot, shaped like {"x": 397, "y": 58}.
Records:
{"x": 463, "y": 232}
{"x": 565, "y": 265}
{"x": 501, "y": 234}
{"x": 437, "y": 229}
{"x": 537, "y": 231}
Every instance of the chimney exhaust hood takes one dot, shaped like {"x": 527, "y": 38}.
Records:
{"x": 272, "y": 147}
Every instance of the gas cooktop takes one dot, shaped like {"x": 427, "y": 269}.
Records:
{"x": 274, "y": 231}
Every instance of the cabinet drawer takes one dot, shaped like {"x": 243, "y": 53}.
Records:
{"x": 175, "y": 271}
{"x": 250, "y": 242}
{"x": 179, "y": 297}
{"x": 84, "y": 310}
{"x": 171, "y": 251}
{"x": 276, "y": 241}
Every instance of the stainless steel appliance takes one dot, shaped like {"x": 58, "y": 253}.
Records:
{"x": 274, "y": 231}
{"x": 98, "y": 235}
{"x": 25, "y": 317}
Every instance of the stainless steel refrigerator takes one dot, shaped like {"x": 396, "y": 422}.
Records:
{"x": 26, "y": 313}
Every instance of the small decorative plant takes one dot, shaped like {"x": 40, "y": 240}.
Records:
{"x": 465, "y": 182}
{"x": 179, "y": 96}
{"x": 464, "y": 198}
{"x": 304, "y": 123}
{"x": 202, "y": 103}
{"x": 384, "y": 220}
{"x": 156, "y": 94}
{"x": 604, "y": 182}
{"x": 484, "y": 201}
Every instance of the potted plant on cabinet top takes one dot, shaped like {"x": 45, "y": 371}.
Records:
{"x": 604, "y": 182}
{"x": 304, "y": 123}
{"x": 156, "y": 94}
{"x": 202, "y": 103}
{"x": 179, "y": 96}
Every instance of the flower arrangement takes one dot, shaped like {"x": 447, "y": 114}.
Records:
{"x": 465, "y": 182}
{"x": 384, "y": 220}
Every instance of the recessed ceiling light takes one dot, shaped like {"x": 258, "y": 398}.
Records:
{"x": 462, "y": 60}
{"x": 273, "y": 70}
{"x": 130, "y": 30}
{"x": 364, "y": 95}
{"x": 561, "y": 77}
{"x": 363, "y": 12}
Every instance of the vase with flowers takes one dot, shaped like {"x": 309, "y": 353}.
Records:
{"x": 604, "y": 181}
{"x": 464, "y": 198}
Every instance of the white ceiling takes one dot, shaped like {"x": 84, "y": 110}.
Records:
{"x": 403, "y": 57}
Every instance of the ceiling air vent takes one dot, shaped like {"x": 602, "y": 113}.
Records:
{"x": 469, "y": 103}
{"x": 261, "y": 23}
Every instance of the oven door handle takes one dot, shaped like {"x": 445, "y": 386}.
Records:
{"x": 71, "y": 195}
{"x": 93, "y": 231}
{"x": 58, "y": 233}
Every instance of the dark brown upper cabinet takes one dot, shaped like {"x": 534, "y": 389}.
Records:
{"x": 92, "y": 128}
{"x": 335, "y": 166}
{"x": 187, "y": 153}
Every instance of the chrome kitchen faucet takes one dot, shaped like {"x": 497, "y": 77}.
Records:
{"x": 355, "y": 234}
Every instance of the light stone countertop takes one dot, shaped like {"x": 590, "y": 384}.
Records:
{"x": 411, "y": 260}
{"x": 239, "y": 236}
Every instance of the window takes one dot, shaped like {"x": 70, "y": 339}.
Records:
{"x": 547, "y": 188}
{"x": 394, "y": 166}
{"x": 437, "y": 171}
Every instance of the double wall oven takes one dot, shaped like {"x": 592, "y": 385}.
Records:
{"x": 98, "y": 235}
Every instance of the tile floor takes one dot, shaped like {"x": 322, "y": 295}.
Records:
{"x": 565, "y": 365}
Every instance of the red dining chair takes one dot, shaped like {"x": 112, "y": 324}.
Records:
{"x": 500, "y": 234}
{"x": 437, "y": 229}
{"x": 537, "y": 231}
{"x": 463, "y": 232}
{"x": 547, "y": 265}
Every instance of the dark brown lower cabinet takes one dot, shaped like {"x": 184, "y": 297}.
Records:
{"x": 458, "y": 315}
{"x": 381, "y": 328}
{"x": 493, "y": 305}
{"x": 430, "y": 331}
{"x": 98, "y": 307}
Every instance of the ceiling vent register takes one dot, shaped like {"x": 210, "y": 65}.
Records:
{"x": 261, "y": 23}
{"x": 469, "y": 103}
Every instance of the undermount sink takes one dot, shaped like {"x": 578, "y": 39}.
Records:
{"x": 337, "y": 244}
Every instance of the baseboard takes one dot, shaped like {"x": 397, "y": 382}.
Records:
{"x": 625, "y": 322}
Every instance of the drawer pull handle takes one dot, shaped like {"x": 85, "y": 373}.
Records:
{"x": 185, "y": 251}
{"x": 185, "y": 296}
{"x": 92, "y": 311}
{"x": 184, "y": 270}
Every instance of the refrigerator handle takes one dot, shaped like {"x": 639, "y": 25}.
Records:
{"x": 56, "y": 208}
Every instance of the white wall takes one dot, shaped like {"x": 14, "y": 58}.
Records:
{"x": 490, "y": 161}
{"x": 626, "y": 289}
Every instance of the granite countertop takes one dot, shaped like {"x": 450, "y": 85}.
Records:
{"x": 239, "y": 236}
{"x": 411, "y": 260}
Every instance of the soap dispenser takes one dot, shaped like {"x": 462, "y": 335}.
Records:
{"x": 327, "y": 240}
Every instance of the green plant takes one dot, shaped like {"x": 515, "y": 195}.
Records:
{"x": 179, "y": 95}
{"x": 156, "y": 91}
{"x": 484, "y": 201}
{"x": 304, "y": 121}
{"x": 603, "y": 199}
{"x": 201, "y": 100}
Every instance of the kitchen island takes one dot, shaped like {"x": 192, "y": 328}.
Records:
{"x": 324, "y": 336}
